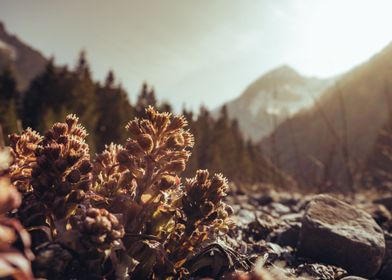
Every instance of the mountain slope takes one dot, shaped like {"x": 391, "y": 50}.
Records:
{"x": 25, "y": 62}
{"x": 330, "y": 141}
{"x": 272, "y": 98}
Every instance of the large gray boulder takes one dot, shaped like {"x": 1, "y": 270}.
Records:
{"x": 337, "y": 233}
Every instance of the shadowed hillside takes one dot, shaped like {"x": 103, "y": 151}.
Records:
{"x": 328, "y": 143}
{"x": 25, "y": 62}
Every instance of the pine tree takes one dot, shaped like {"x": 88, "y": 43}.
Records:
{"x": 45, "y": 97}
{"x": 82, "y": 101}
{"x": 146, "y": 98}
{"x": 8, "y": 102}
{"x": 113, "y": 112}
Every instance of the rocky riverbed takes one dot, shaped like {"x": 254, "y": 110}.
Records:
{"x": 325, "y": 236}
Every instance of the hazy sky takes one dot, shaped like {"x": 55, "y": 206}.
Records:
{"x": 202, "y": 51}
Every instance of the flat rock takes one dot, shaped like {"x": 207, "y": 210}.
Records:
{"x": 337, "y": 233}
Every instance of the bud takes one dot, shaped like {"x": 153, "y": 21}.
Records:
{"x": 133, "y": 128}
{"x": 133, "y": 148}
{"x": 73, "y": 176}
{"x": 85, "y": 167}
{"x": 49, "y": 135}
{"x": 60, "y": 128}
{"x": 167, "y": 181}
{"x": 62, "y": 140}
{"x": 52, "y": 151}
{"x": 146, "y": 143}
{"x": 71, "y": 121}
{"x": 175, "y": 141}
{"x": 176, "y": 166}
{"x": 177, "y": 122}
{"x": 72, "y": 158}
{"x": 202, "y": 176}
{"x": 122, "y": 157}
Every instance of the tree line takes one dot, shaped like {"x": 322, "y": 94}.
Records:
{"x": 104, "y": 108}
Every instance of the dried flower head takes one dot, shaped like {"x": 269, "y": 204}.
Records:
{"x": 24, "y": 148}
{"x": 62, "y": 173}
{"x": 159, "y": 146}
{"x": 204, "y": 214}
{"x": 98, "y": 228}
{"x": 110, "y": 177}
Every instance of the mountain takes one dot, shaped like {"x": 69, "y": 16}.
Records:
{"x": 25, "y": 61}
{"x": 272, "y": 98}
{"x": 327, "y": 145}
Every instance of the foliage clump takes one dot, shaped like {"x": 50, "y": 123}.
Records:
{"x": 125, "y": 215}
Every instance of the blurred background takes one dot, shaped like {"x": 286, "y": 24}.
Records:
{"x": 291, "y": 93}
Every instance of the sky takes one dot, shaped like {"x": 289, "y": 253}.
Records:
{"x": 202, "y": 51}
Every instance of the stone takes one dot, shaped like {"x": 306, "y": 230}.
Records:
{"x": 353, "y": 278}
{"x": 261, "y": 227}
{"x": 245, "y": 216}
{"x": 278, "y": 209}
{"x": 320, "y": 271}
{"x": 337, "y": 233}
{"x": 288, "y": 236}
{"x": 386, "y": 271}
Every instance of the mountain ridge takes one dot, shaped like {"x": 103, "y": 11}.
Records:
{"x": 273, "y": 97}
{"x": 25, "y": 61}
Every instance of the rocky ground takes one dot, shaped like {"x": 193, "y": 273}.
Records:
{"x": 313, "y": 236}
